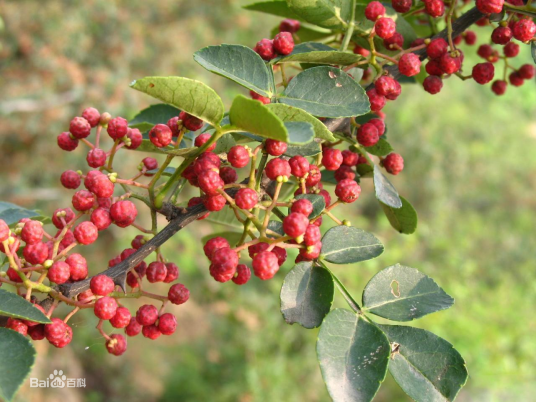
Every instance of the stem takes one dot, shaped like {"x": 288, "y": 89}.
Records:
{"x": 349, "y": 30}
{"x": 112, "y": 154}
{"x": 347, "y": 296}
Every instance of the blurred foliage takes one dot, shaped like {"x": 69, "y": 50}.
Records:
{"x": 469, "y": 173}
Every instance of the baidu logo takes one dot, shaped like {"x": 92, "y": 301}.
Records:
{"x": 58, "y": 380}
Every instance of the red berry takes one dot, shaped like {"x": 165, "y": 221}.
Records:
{"x": 401, "y": 6}
{"x": 385, "y": 27}
{"x": 156, "y": 272}
{"x": 116, "y": 345}
{"x": 96, "y": 158}
{"x": 395, "y": 42}
{"x": 344, "y": 172}
{"x": 210, "y": 182}
{"x": 191, "y": 123}
{"x": 243, "y": 273}
{"x": 17, "y": 325}
{"x": 37, "y": 332}
{"x": 409, "y": 64}
{"x": 499, "y": 87}
{"x": 121, "y": 318}
{"x": 347, "y": 190}
{"x": 178, "y": 294}
{"x": 332, "y": 158}
{"x": 225, "y": 258}
{"x": 469, "y": 37}
{"x": 149, "y": 164}
{"x": 524, "y": 30}
{"x": 70, "y": 179}
{"x": 312, "y": 235}
{"x": 295, "y": 224}
{"x": 67, "y": 143}
{"x": 432, "y": 84}
{"x": 277, "y": 167}
{"x": 302, "y": 206}
{"x": 147, "y": 314}
{"x": 275, "y": 148}
{"x": 33, "y": 323}
{"x": 393, "y": 163}
{"x": 374, "y": 10}
{"x": 265, "y": 265}
{"x": 135, "y": 137}
{"x": 167, "y": 324}
{"x": 92, "y": 115}
{"x": 86, "y": 296}
{"x": 31, "y": 233}
{"x": 450, "y": 64}
{"x": 377, "y": 101}
{"x": 433, "y": 67}
{"x": 151, "y": 331}
{"x": 203, "y": 164}
{"x": 133, "y": 328}
{"x": 255, "y": 249}
{"x": 59, "y": 272}
{"x": 101, "y": 218}
{"x": 299, "y": 166}
{"x": 202, "y": 139}
{"x": 434, "y": 8}
{"x": 228, "y": 175}
{"x": 77, "y": 267}
{"x": 314, "y": 176}
{"x": 515, "y": 79}
{"x": 35, "y": 254}
{"x": 238, "y": 156}
{"x": 265, "y": 49}
{"x": 214, "y": 244}
{"x": 350, "y": 158}
{"x": 526, "y": 71}
{"x": 65, "y": 339}
{"x": 13, "y": 275}
{"x": 367, "y": 135}
{"x": 388, "y": 87}
{"x": 380, "y": 125}
{"x": 79, "y": 127}
{"x": 100, "y": 185}
{"x": 511, "y": 49}
{"x": 123, "y": 213}
{"x": 172, "y": 272}
{"x": 214, "y": 203}
{"x": 246, "y": 198}
{"x": 101, "y": 285}
{"x": 361, "y": 50}
{"x": 160, "y": 135}
{"x": 281, "y": 255}
{"x": 105, "y": 308}
{"x": 283, "y": 43}
{"x": 485, "y": 51}
{"x": 489, "y": 6}
{"x": 501, "y": 35}
{"x": 483, "y": 72}
{"x": 288, "y": 25}
{"x": 263, "y": 99}
{"x": 117, "y": 128}
{"x": 437, "y": 48}
{"x": 56, "y": 330}
{"x": 83, "y": 200}
{"x": 86, "y": 233}
{"x": 173, "y": 124}
{"x": 311, "y": 252}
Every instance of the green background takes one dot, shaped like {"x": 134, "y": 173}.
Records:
{"x": 469, "y": 172}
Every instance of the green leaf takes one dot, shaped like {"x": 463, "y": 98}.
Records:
{"x": 533, "y": 50}
{"x": 224, "y": 144}
{"x": 306, "y": 33}
{"x": 15, "y": 306}
{"x": 426, "y": 367}
{"x": 252, "y": 116}
{"x": 299, "y": 132}
{"x": 319, "y": 203}
{"x": 385, "y": 191}
{"x": 333, "y": 14}
{"x": 276, "y": 227}
{"x": 225, "y": 217}
{"x": 289, "y": 113}
{"x": 238, "y": 63}
{"x": 17, "y": 357}
{"x": 318, "y": 53}
{"x": 274, "y": 7}
{"x": 353, "y": 356}
{"x": 154, "y": 114}
{"x": 8, "y": 205}
{"x": 364, "y": 170}
{"x": 232, "y": 237}
{"x": 191, "y": 96}
{"x": 167, "y": 171}
{"x": 381, "y": 148}
{"x": 347, "y": 244}
{"x": 310, "y": 149}
{"x": 307, "y": 295}
{"x": 326, "y": 91}
{"x": 403, "y": 219}
{"x": 402, "y": 293}
{"x": 13, "y": 215}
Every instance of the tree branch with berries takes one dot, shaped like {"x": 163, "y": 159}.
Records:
{"x": 278, "y": 169}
